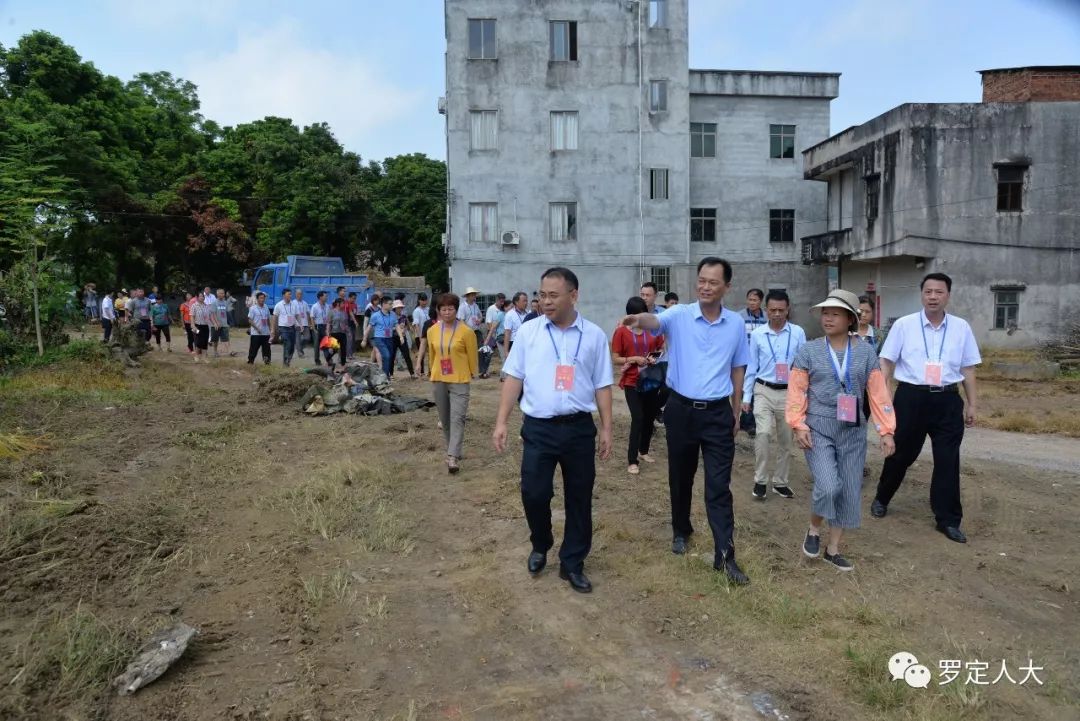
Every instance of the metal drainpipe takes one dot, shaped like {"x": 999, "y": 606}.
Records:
{"x": 640, "y": 169}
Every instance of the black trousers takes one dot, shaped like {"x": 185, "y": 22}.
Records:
{"x": 710, "y": 433}
{"x": 941, "y": 416}
{"x": 644, "y": 408}
{"x": 343, "y": 348}
{"x": 144, "y": 329}
{"x": 571, "y": 446}
{"x": 259, "y": 342}
{"x": 400, "y": 346}
{"x": 316, "y": 338}
{"x": 159, "y": 330}
{"x": 106, "y": 328}
{"x": 190, "y": 332}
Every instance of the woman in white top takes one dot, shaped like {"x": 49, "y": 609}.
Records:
{"x": 866, "y": 314}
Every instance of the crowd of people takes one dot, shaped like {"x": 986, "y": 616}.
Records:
{"x": 699, "y": 370}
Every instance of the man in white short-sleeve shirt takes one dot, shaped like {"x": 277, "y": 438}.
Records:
{"x": 931, "y": 354}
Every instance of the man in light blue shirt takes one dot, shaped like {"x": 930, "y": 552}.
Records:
{"x": 772, "y": 348}
{"x": 560, "y": 368}
{"x": 707, "y": 354}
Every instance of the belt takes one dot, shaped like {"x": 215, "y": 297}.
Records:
{"x": 774, "y": 386}
{"x": 700, "y": 405}
{"x": 951, "y": 388}
{"x": 569, "y": 418}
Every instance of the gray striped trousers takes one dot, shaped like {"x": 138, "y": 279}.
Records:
{"x": 836, "y": 462}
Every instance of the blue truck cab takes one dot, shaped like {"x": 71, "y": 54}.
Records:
{"x": 310, "y": 274}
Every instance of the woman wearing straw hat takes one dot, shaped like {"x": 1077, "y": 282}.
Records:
{"x": 828, "y": 380}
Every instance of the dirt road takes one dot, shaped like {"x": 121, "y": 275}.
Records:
{"x": 335, "y": 571}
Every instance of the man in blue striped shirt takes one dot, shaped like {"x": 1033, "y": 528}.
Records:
{"x": 772, "y": 348}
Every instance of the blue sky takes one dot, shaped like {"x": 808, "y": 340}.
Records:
{"x": 374, "y": 69}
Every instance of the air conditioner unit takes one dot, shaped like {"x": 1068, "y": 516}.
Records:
{"x": 511, "y": 237}
{"x": 442, "y": 106}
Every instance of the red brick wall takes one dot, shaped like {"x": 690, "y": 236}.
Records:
{"x": 1019, "y": 86}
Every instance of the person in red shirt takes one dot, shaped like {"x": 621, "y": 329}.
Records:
{"x": 632, "y": 350}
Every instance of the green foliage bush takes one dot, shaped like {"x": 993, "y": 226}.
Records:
{"x": 59, "y": 308}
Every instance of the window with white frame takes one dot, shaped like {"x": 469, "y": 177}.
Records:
{"x": 658, "y": 13}
{"x": 658, "y": 96}
{"x": 781, "y": 225}
{"x": 781, "y": 141}
{"x": 703, "y": 224}
{"x": 564, "y": 130}
{"x": 482, "y": 43}
{"x": 661, "y": 276}
{"x": 1006, "y": 308}
{"x": 562, "y": 36}
{"x": 658, "y": 183}
{"x": 484, "y": 127}
{"x": 702, "y": 140}
{"x": 562, "y": 221}
{"x": 483, "y": 222}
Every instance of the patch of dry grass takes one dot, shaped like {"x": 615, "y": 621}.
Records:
{"x": 17, "y": 444}
{"x": 1028, "y": 422}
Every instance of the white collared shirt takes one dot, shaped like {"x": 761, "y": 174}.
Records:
{"x": 767, "y": 348}
{"x": 537, "y": 352}
{"x": 470, "y": 313}
{"x": 513, "y": 322}
{"x": 952, "y": 343}
{"x": 320, "y": 312}
{"x": 301, "y": 309}
{"x": 108, "y": 312}
{"x": 285, "y": 314}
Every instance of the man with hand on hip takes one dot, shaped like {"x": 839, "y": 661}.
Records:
{"x": 560, "y": 367}
{"x": 707, "y": 355}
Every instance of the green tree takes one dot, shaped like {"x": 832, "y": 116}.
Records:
{"x": 408, "y": 201}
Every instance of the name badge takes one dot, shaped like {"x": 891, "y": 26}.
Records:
{"x": 781, "y": 372}
{"x": 447, "y": 366}
{"x": 564, "y": 378}
{"x": 846, "y": 408}
{"x": 932, "y": 373}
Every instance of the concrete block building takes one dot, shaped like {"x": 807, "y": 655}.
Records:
{"x": 987, "y": 192}
{"x": 578, "y": 135}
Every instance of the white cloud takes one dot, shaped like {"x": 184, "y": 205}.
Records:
{"x": 158, "y": 15}
{"x": 273, "y": 72}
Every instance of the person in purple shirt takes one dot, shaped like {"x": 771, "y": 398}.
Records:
{"x": 707, "y": 356}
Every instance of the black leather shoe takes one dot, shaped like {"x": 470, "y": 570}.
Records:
{"x": 731, "y": 569}
{"x": 537, "y": 561}
{"x": 678, "y": 546}
{"x": 878, "y": 509}
{"x": 578, "y": 581}
{"x": 953, "y": 533}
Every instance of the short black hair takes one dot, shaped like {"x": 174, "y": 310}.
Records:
{"x": 713, "y": 260}
{"x": 650, "y": 284}
{"x": 320, "y": 294}
{"x": 286, "y": 290}
{"x": 636, "y": 305}
{"x": 668, "y": 297}
{"x": 339, "y": 289}
{"x": 565, "y": 273}
{"x": 337, "y": 302}
{"x": 385, "y": 299}
{"x": 420, "y": 297}
{"x": 500, "y": 296}
{"x": 256, "y": 295}
{"x": 778, "y": 295}
{"x": 399, "y": 296}
{"x": 519, "y": 294}
{"x": 937, "y": 276}
{"x": 756, "y": 291}
{"x": 866, "y": 299}
{"x": 353, "y": 294}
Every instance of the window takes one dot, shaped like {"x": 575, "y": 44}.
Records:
{"x": 483, "y": 222}
{"x": 484, "y": 129}
{"x": 781, "y": 141}
{"x": 873, "y": 189}
{"x": 703, "y": 224}
{"x": 782, "y": 225}
{"x": 563, "y": 221}
{"x": 661, "y": 276}
{"x": 564, "y": 130}
{"x": 658, "y": 184}
{"x": 1010, "y": 183}
{"x": 658, "y": 96}
{"x": 264, "y": 278}
{"x": 658, "y": 13}
{"x": 482, "y": 45}
{"x": 563, "y": 40}
{"x": 1006, "y": 309}
{"x": 702, "y": 140}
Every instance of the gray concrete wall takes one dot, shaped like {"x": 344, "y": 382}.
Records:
{"x": 938, "y": 202}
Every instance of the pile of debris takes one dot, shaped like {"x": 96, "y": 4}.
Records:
{"x": 361, "y": 388}
{"x": 127, "y": 344}
{"x": 1065, "y": 348}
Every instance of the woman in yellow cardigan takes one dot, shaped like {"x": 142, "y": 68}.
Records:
{"x": 452, "y": 349}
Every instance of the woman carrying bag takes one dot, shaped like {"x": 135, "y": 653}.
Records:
{"x": 636, "y": 353}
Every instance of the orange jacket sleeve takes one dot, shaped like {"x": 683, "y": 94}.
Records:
{"x": 881, "y": 403}
{"x": 795, "y": 412}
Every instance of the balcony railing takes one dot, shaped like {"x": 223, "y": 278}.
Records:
{"x": 825, "y": 247}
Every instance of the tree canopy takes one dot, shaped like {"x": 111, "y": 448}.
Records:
{"x": 142, "y": 189}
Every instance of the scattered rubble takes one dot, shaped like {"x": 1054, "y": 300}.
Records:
{"x": 152, "y": 660}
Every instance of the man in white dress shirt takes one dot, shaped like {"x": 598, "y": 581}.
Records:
{"x": 931, "y": 354}
{"x": 560, "y": 367}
